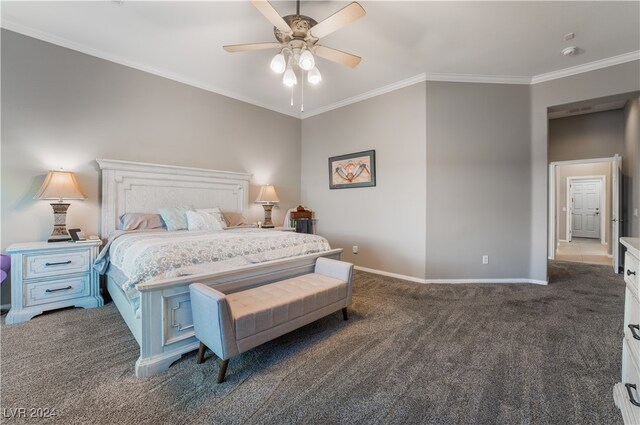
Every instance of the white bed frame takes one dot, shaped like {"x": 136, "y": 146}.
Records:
{"x": 164, "y": 329}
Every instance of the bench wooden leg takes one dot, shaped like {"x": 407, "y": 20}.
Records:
{"x": 201, "y": 351}
{"x": 223, "y": 370}
{"x": 345, "y": 314}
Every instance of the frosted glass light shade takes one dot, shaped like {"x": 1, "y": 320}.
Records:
{"x": 306, "y": 61}
{"x": 278, "y": 64}
{"x": 267, "y": 195}
{"x": 314, "y": 76}
{"x": 289, "y": 79}
{"x": 60, "y": 185}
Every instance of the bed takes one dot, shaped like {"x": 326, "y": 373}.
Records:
{"x": 159, "y": 313}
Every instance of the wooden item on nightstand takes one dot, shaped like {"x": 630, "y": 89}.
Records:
{"x": 46, "y": 276}
{"x": 302, "y": 220}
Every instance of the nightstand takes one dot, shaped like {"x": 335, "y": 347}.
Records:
{"x": 46, "y": 276}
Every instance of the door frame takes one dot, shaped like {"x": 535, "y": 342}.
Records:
{"x": 552, "y": 240}
{"x": 603, "y": 196}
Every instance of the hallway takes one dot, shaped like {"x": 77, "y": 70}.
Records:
{"x": 584, "y": 250}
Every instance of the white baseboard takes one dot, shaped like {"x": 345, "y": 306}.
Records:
{"x": 450, "y": 281}
{"x": 395, "y": 275}
{"x": 561, "y": 240}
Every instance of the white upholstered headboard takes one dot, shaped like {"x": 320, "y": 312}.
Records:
{"x": 141, "y": 187}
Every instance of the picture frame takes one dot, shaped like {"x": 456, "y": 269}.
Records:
{"x": 353, "y": 170}
{"x": 76, "y": 235}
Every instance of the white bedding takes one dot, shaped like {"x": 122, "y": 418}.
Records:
{"x": 149, "y": 256}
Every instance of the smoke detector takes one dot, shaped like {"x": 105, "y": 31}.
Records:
{"x": 570, "y": 51}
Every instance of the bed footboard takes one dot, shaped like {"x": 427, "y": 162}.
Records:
{"x": 165, "y": 323}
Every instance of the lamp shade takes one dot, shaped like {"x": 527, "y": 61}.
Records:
{"x": 60, "y": 185}
{"x": 267, "y": 195}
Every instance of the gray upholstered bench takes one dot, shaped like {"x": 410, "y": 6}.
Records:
{"x": 232, "y": 324}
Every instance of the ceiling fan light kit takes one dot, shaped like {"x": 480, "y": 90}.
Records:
{"x": 297, "y": 37}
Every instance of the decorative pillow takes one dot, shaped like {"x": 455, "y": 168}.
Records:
{"x": 234, "y": 219}
{"x": 216, "y": 212}
{"x": 140, "y": 221}
{"x": 202, "y": 221}
{"x": 174, "y": 218}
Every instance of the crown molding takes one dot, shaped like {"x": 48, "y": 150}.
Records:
{"x": 472, "y": 78}
{"x": 62, "y": 42}
{"x": 367, "y": 95}
{"x": 586, "y": 67}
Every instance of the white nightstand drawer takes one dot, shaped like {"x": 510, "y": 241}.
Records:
{"x": 52, "y": 264}
{"x": 631, "y": 270}
{"x": 57, "y": 290}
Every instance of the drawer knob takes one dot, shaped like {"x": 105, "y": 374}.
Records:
{"x": 58, "y": 264}
{"x": 631, "y": 398}
{"x": 69, "y": 287}
{"x": 629, "y": 273}
{"x": 633, "y": 329}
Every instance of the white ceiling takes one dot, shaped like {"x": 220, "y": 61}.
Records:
{"x": 400, "y": 42}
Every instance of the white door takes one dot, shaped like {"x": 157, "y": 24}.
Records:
{"x": 615, "y": 212}
{"x": 585, "y": 209}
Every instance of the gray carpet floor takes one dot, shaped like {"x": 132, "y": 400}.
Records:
{"x": 411, "y": 353}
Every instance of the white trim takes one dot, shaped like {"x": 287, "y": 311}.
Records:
{"x": 59, "y": 41}
{"x": 460, "y": 78}
{"x": 367, "y": 95}
{"x": 501, "y": 280}
{"x": 476, "y": 78}
{"x": 586, "y": 67}
{"x": 389, "y": 274}
{"x": 561, "y": 240}
{"x": 569, "y": 217}
{"x": 449, "y": 281}
{"x": 552, "y": 245}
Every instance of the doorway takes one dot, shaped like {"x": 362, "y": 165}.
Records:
{"x": 582, "y": 212}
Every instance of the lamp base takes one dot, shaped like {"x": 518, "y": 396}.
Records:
{"x": 268, "y": 224}
{"x": 59, "y": 233}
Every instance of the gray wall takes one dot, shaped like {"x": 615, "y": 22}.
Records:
{"x": 631, "y": 168}
{"x": 613, "y": 80}
{"x": 581, "y": 170}
{"x": 387, "y": 222}
{"x": 61, "y": 108}
{"x": 478, "y": 200}
{"x": 596, "y": 135}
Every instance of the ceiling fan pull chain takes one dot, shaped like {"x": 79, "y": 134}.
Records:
{"x": 302, "y": 90}
{"x": 292, "y": 96}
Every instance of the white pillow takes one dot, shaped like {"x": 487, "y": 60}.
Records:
{"x": 197, "y": 220}
{"x": 215, "y": 212}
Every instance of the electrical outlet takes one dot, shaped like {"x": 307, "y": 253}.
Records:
{"x": 354, "y": 249}
{"x": 485, "y": 259}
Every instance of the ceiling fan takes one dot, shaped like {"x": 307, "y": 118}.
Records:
{"x": 297, "y": 37}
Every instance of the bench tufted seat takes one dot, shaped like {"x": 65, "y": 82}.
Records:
{"x": 232, "y": 324}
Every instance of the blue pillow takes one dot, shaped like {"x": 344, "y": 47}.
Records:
{"x": 175, "y": 218}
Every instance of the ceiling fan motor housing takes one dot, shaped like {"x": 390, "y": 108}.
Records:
{"x": 300, "y": 26}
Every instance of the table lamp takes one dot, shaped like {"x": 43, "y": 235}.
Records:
{"x": 267, "y": 197}
{"x": 60, "y": 185}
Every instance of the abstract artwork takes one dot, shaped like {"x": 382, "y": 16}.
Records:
{"x": 352, "y": 170}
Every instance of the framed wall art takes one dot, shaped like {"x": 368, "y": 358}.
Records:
{"x": 352, "y": 170}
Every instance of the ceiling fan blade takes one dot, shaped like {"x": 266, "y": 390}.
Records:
{"x": 272, "y": 15}
{"x": 248, "y": 47}
{"x": 337, "y": 56}
{"x": 338, "y": 20}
